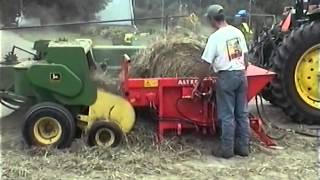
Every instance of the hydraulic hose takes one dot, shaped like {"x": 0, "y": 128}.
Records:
{"x": 268, "y": 122}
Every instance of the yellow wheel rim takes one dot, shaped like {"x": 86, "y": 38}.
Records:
{"x": 47, "y": 130}
{"x": 307, "y": 77}
{"x": 105, "y": 137}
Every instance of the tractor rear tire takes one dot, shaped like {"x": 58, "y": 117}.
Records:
{"x": 105, "y": 133}
{"x": 263, "y": 56}
{"x": 285, "y": 87}
{"x": 268, "y": 95}
{"x": 266, "y": 92}
{"x": 49, "y": 124}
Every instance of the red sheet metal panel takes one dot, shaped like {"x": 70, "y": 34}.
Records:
{"x": 178, "y": 110}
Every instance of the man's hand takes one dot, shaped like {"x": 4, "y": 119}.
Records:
{"x": 201, "y": 75}
{"x": 246, "y": 60}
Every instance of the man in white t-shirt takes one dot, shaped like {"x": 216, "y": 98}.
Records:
{"x": 226, "y": 51}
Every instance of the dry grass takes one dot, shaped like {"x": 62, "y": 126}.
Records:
{"x": 140, "y": 157}
{"x": 174, "y": 55}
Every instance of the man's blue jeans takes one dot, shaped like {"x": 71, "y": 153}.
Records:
{"x": 232, "y": 110}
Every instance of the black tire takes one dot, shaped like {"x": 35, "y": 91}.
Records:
{"x": 267, "y": 90}
{"x": 267, "y": 94}
{"x": 52, "y": 110}
{"x": 283, "y": 87}
{"x": 110, "y": 127}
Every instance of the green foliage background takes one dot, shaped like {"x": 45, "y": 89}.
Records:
{"x": 70, "y": 10}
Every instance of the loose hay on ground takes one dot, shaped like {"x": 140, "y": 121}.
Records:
{"x": 140, "y": 155}
{"x": 141, "y": 158}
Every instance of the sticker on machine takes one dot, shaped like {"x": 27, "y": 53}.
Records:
{"x": 187, "y": 81}
{"x": 55, "y": 76}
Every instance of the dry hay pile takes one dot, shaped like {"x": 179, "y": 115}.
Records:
{"x": 176, "y": 55}
{"x": 171, "y": 56}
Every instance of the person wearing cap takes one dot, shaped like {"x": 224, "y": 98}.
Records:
{"x": 241, "y": 22}
{"x": 226, "y": 51}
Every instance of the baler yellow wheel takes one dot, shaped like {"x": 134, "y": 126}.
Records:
{"x": 112, "y": 108}
{"x": 105, "y": 133}
{"x": 105, "y": 137}
{"x": 49, "y": 124}
{"x": 307, "y": 76}
{"x": 47, "y": 130}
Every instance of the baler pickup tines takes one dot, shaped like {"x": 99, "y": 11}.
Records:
{"x": 11, "y": 100}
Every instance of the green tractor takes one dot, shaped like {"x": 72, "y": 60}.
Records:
{"x": 58, "y": 83}
{"x": 292, "y": 50}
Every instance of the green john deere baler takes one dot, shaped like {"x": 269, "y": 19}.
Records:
{"x": 65, "y": 98}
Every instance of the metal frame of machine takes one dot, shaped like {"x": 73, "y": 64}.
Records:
{"x": 291, "y": 49}
{"x": 65, "y": 97}
{"x": 178, "y": 110}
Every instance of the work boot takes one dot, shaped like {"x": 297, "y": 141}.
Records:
{"x": 241, "y": 151}
{"x": 220, "y": 153}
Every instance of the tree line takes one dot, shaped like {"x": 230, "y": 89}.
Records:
{"x": 72, "y": 10}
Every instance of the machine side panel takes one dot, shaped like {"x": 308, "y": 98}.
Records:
{"x": 75, "y": 58}
{"x": 56, "y": 78}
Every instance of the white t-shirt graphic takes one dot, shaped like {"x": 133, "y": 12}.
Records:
{"x": 225, "y": 49}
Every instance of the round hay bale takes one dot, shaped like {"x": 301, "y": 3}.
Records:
{"x": 170, "y": 57}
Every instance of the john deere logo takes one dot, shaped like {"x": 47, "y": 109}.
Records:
{"x": 55, "y": 76}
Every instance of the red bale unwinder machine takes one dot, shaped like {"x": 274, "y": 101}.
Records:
{"x": 177, "y": 110}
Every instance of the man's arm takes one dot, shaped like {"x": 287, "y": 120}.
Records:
{"x": 207, "y": 57}
{"x": 245, "y": 50}
{"x": 201, "y": 75}
{"x": 204, "y": 70}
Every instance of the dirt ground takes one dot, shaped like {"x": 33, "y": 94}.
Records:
{"x": 185, "y": 157}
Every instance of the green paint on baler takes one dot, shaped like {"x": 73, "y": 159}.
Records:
{"x": 22, "y": 84}
{"x": 61, "y": 72}
{"x": 55, "y": 78}
{"x": 6, "y": 77}
{"x": 76, "y": 56}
